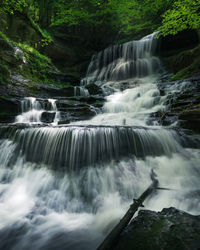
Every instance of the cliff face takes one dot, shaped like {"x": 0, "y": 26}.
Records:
{"x": 181, "y": 54}
{"x": 69, "y": 49}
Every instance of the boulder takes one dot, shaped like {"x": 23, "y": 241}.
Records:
{"x": 48, "y": 117}
{"x": 168, "y": 229}
{"x": 94, "y": 89}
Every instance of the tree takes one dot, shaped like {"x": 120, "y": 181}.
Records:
{"x": 184, "y": 14}
{"x": 10, "y": 6}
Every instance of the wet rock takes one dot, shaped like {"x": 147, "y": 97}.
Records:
{"x": 45, "y": 104}
{"x": 72, "y": 110}
{"x": 48, "y": 117}
{"x": 190, "y": 119}
{"x": 168, "y": 229}
{"x": 96, "y": 101}
{"x": 19, "y": 80}
{"x": 45, "y": 90}
{"x": 18, "y": 86}
{"x": 77, "y": 113}
{"x": 63, "y": 105}
{"x": 63, "y": 122}
{"x": 168, "y": 120}
{"x": 9, "y": 108}
{"x": 183, "y": 104}
{"x": 92, "y": 99}
{"x": 94, "y": 89}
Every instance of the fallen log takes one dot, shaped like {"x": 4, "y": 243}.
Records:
{"x": 112, "y": 237}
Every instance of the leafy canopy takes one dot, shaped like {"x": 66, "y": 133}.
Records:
{"x": 124, "y": 16}
{"x": 184, "y": 14}
{"x": 10, "y": 6}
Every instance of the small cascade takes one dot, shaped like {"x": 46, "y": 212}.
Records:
{"x": 134, "y": 59}
{"x": 34, "y": 110}
{"x": 80, "y": 91}
{"x": 130, "y": 107}
{"x": 31, "y": 111}
{"x": 53, "y": 108}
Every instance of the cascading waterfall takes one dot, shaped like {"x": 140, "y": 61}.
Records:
{"x": 65, "y": 187}
{"x": 124, "y": 61}
{"x": 72, "y": 148}
{"x": 32, "y": 110}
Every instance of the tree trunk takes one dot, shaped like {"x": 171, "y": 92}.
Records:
{"x": 112, "y": 237}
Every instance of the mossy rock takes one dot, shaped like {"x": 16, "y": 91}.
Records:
{"x": 169, "y": 229}
{"x": 185, "y": 64}
{"x": 20, "y": 28}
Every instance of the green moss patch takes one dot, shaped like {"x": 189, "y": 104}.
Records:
{"x": 186, "y": 64}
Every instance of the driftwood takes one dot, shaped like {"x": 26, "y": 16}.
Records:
{"x": 112, "y": 237}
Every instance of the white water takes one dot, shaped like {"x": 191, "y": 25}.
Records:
{"x": 80, "y": 91}
{"x": 32, "y": 110}
{"x": 122, "y": 62}
{"x": 130, "y": 107}
{"x": 97, "y": 170}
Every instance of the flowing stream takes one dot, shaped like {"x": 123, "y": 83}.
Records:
{"x": 65, "y": 187}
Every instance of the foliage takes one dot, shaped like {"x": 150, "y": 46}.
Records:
{"x": 38, "y": 66}
{"x": 4, "y": 37}
{"x": 28, "y": 50}
{"x": 125, "y": 16}
{"x": 120, "y": 15}
{"x": 79, "y": 12}
{"x": 184, "y": 14}
{"x": 10, "y": 6}
{"x": 47, "y": 38}
{"x": 138, "y": 15}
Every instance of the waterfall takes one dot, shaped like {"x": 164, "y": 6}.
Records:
{"x": 125, "y": 61}
{"x": 80, "y": 91}
{"x": 71, "y": 148}
{"x": 65, "y": 187}
{"x": 32, "y": 110}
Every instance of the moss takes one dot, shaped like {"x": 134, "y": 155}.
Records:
{"x": 169, "y": 229}
{"x": 28, "y": 50}
{"x": 44, "y": 33}
{"x": 190, "y": 71}
{"x": 62, "y": 84}
{"x": 38, "y": 66}
{"x": 186, "y": 64}
{"x": 4, "y": 37}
